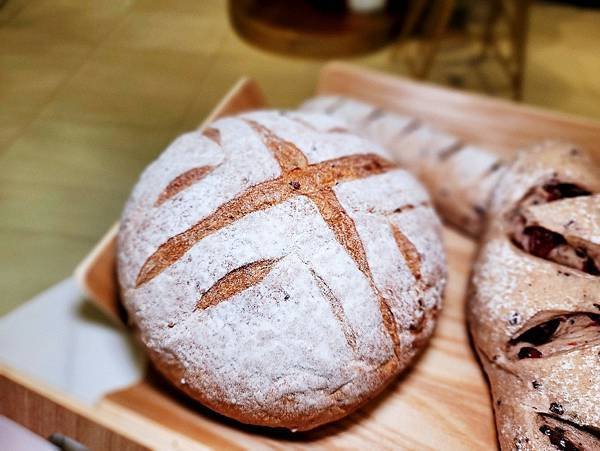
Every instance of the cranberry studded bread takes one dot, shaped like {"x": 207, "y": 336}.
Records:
{"x": 460, "y": 177}
{"x": 279, "y": 270}
{"x": 534, "y": 311}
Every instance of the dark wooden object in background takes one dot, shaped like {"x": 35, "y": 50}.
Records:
{"x": 313, "y": 29}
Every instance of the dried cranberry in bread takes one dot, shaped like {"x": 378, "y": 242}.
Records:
{"x": 460, "y": 177}
{"x": 278, "y": 270}
{"x": 534, "y": 310}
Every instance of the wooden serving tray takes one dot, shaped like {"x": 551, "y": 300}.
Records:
{"x": 442, "y": 402}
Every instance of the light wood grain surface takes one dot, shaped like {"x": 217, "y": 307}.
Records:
{"x": 45, "y": 411}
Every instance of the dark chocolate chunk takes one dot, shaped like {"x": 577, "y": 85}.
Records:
{"x": 515, "y": 319}
{"x": 528, "y": 352}
{"x": 564, "y": 190}
{"x": 557, "y": 438}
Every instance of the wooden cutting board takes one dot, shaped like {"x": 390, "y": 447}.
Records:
{"x": 442, "y": 402}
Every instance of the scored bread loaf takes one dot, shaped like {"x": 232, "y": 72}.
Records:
{"x": 534, "y": 310}
{"x": 278, "y": 269}
{"x": 460, "y": 177}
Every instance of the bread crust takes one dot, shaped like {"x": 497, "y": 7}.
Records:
{"x": 278, "y": 269}
{"x": 534, "y": 315}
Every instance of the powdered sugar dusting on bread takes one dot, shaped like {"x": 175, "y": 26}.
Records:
{"x": 316, "y": 144}
{"x": 151, "y": 226}
{"x": 276, "y": 352}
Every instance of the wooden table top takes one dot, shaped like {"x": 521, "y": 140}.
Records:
{"x": 91, "y": 91}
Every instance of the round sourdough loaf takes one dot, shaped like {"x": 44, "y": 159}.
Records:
{"x": 278, "y": 269}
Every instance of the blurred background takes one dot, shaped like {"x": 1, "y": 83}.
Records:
{"x": 91, "y": 91}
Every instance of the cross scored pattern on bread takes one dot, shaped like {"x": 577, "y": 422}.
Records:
{"x": 298, "y": 178}
{"x": 459, "y": 176}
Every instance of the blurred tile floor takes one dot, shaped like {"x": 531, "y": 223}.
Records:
{"x": 91, "y": 91}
